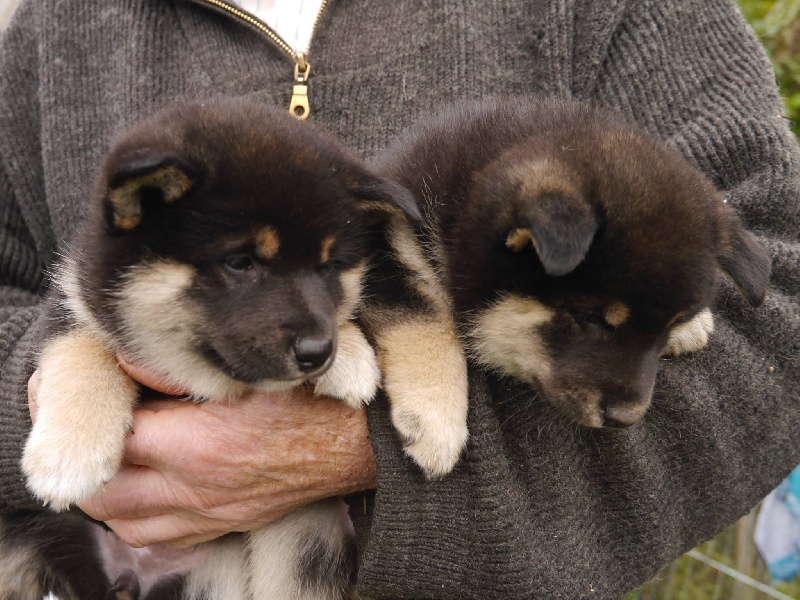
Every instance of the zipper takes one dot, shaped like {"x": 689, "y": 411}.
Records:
{"x": 299, "y": 106}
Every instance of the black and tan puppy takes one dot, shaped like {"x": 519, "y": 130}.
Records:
{"x": 224, "y": 247}
{"x": 573, "y": 249}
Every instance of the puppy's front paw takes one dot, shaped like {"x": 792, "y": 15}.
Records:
{"x": 425, "y": 378}
{"x": 434, "y": 441}
{"x": 354, "y": 376}
{"x": 85, "y": 409}
{"x": 691, "y": 336}
{"x": 64, "y": 465}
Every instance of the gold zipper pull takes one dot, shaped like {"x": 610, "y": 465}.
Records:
{"x": 299, "y": 105}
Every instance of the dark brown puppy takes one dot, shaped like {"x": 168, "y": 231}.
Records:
{"x": 224, "y": 247}
{"x": 574, "y": 248}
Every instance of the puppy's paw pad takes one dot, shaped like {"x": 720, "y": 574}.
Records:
{"x": 434, "y": 445}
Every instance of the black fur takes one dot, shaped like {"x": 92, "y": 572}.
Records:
{"x": 263, "y": 217}
{"x": 604, "y": 213}
{"x": 250, "y": 167}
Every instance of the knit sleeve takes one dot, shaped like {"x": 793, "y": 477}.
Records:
{"x": 20, "y": 277}
{"x": 24, "y": 245}
{"x": 541, "y": 509}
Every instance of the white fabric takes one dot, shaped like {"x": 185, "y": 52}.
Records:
{"x": 292, "y": 20}
{"x": 777, "y": 533}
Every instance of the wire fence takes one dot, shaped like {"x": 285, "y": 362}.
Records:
{"x": 725, "y": 568}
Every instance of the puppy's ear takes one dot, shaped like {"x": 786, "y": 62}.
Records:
{"x": 380, "y": 198}
{"x": 144, "y": 174}
{"x": 744, "y": 260}
{"x": 561, "y": 228}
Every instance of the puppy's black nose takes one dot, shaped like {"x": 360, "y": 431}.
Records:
{"x": 619, "y": 416}
{"x": 312, "y": 352}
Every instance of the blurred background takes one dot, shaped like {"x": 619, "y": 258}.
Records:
{"x": 728, "y": 567}
{"x": 6, "y": 8}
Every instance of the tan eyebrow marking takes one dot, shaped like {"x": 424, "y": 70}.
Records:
{"x": 616, "y": 313}
{"x": 267, "y": 242}
{"x": 518, "y": 239}
{"x": 126, "y": 202}
{"x": 327, "y": 245}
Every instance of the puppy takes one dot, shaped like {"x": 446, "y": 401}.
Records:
{"x": 571, "y": 249}
{"x": 225, "y": 247}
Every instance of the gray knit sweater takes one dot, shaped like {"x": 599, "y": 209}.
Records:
{"x": 537, "y": 509}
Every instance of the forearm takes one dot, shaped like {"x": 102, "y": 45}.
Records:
{"x": 26, "y": 241}
{"x": 19, "y": 331}
{"x": 17, "y": 345}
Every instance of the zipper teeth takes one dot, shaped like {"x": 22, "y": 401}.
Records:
{"x": 316, "y": 21}
{"x": 260, "y": 26}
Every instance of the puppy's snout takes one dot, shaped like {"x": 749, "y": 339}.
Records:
{"x": 312, "y": 352}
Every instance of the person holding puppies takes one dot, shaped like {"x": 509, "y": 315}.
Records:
{"x": 536, "y": 507}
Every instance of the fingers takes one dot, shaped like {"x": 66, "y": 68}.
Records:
{"x": 148, "y": 378}
{"x": 135, "y": 492}
{"x": 33, "y": 387}
{"x": 161, "y": 435}
{"x": 194, "y": 540}
{"x": 177, "y": 530}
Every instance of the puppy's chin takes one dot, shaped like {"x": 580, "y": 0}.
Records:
{"x": 271, "y": 385}
{"x": 589, "y": 408}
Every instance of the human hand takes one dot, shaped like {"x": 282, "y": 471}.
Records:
{"x": 194, "y": 472}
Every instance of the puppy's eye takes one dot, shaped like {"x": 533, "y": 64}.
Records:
{"x": 239, "y": 263}
{"x": 586, "y": 319}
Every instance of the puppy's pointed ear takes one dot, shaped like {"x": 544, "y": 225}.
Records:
{"x": 561, "y": 228}
{"x": 744, "y": 260}
{"x": 144, "y": 174}
{"x": 380, "y": 198}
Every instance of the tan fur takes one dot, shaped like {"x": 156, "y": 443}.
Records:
{"x": 273, "y": 551}
{"x": 351, "y": 292}
{"x": 85, "y": 405}
{"x": 616, "y": 314}
{"x": 68, "y": 280}
{"x": 159, "y": 324}
{"x": 498, "y": 342}
{"x": 425, "y": 278}
{"x": 691, "y": 336}
{"x": 588, "y": 408}
{"x": 425, "y": 377}
{"x": 223, "y": 575}
{"x": 19, "y": 572}
{"x": 268, "y": 242}
{"x": 519, "y": 239}
{"x": 543, "y": 176}
{"x": 353, "y": 377}
{"x": 327, "y": 246}
{"x": 423, "y": 364}
{"x": 173, "y": 182}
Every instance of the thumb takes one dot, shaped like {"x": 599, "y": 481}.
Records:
{"x": 150, "y": 379}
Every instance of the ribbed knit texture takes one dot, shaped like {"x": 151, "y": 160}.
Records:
{"x": 537, "y": 509}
